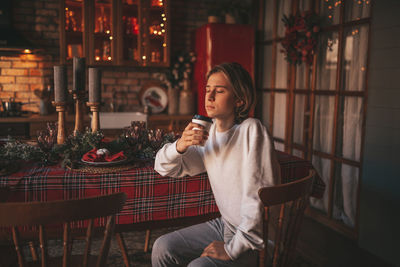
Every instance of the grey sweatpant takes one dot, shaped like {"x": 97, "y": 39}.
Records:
{"x": 184, "y": 247}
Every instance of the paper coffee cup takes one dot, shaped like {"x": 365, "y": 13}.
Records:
{"x": 204, "y": 121}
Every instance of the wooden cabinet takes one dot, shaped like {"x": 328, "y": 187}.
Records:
{"x": 115, "y": 32}
{"x": 176, "y": 123}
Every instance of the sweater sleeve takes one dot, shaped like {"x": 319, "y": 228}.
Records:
{"x": 261, "y": 169}
{"x": 170, "y": 162}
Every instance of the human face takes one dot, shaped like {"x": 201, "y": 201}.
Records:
{"x": 220, "y": 100}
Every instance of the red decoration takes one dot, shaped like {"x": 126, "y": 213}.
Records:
{"x": 300, "y": 39}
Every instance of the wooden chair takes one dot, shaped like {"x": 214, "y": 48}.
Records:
{"x": 284, "y": 207}
{"x": 64, "y": 212}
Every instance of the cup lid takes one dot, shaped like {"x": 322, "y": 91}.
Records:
{"x": 203, "y": 118}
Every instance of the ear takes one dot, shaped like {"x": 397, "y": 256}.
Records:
{"x": 239, "y": 103}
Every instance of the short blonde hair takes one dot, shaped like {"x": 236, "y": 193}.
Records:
{"x": 242, "y": 85}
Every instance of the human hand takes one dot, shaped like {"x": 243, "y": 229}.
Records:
{"x": 194, "y": 134}
{"x": 216, "y": 250}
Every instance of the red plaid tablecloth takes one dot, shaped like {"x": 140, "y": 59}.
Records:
{"x": 150, "y": 197}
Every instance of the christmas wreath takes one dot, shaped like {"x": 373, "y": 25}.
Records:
{"x": 301, "y": 33}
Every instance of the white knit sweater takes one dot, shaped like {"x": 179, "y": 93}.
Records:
{"x": 238, "y": 162}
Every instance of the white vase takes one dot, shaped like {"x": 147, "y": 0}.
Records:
{"x": 229, "y": 19}
{"x": 173, "y": 101}
{"x": 186, "y": 103}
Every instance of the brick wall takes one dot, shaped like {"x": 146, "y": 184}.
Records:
{"x": 38, "y": 21}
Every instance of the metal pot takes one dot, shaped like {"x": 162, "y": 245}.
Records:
{"x": 12, "y": 106}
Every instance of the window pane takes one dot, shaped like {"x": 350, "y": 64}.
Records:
{"x": 301, "y": 76}
{"x": 345, "y": 193}
{"x": 279, "y": 146}
{"x": 298, "y": 124}
{"x": 281, "y": 69}
{"x": 327, "y": 61}
{"x": 330, "y": 11}
{"x": 268, "y": 19}
{"x": 298, "y": 153}
{"x": 284, "y": 7}
{"x": 279, "y": 115}
{"x": 323, "y": 123}
{"x": 355, "y": 58}
{"x": 350, "y": 128}
{"x": 304, "y": 5}
{"x": 323, "y": 167}
{"x": 267, "y": 68}
{"x": 355, "y": 10}
{"x": 266, "y": 105}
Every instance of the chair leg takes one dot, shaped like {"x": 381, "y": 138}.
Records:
{"x": 33, "y": 251}
{"x": 147, "y": 241}
{"x": 122, "y": 246}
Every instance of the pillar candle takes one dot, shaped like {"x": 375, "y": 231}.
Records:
{"x": 60, "y": 83}
{"x": 94, "y": 85}
{"x": 78, "y": 71}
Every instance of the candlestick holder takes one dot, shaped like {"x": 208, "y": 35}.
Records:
{"x": 94, "y": 108}
{"x": 78, "y": 96}
{"x": 60, "y": 108}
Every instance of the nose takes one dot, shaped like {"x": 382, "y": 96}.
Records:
{"x": 211, "y": 95}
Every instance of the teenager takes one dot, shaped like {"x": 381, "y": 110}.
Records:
{"x": 238, "y": 156}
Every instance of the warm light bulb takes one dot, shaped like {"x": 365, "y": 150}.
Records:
{"x": 111, "y": 37}
{"x": 27, "y": 51}
{"x": 164, "y": 45}
{"x": 155, "y": 32}
{"x": 144, "y": 57}
{"x": 164, "y": 19}
{"x": 163, "y": 30}
{"x": 162, "y": 15}
{"x": 162, "y": 24}
{"x": 97, "y": 58}
{"x": 109, "y": 58}
{"x": 159, "y": 33}
{"x": 108, "y": 31}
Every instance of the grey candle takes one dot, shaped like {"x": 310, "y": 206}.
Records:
{"x": 78, "y": 71}
{"x": 94, "y": 85}
{"x": 60, "y": 83}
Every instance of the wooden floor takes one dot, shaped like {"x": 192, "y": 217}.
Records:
{"x": 325, "y": 247}
{"x": 317, "y": 244}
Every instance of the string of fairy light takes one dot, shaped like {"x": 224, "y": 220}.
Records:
{"x": 158, "y": 30}
{"x": 334, "y": 4}
{"x": 331, "y": 8}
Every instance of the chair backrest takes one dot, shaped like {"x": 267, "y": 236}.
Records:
{"x": 281, "y": 230}
{"x": 63, "y": 211}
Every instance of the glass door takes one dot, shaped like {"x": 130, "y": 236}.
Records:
{"x": 72, "y": 27}
{"x": 130, "y": 31}
{"x": 154, "y": 32}
{"x": 102, "y": 36}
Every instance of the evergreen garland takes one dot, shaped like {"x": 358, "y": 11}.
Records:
{"x": 136, "y": 141}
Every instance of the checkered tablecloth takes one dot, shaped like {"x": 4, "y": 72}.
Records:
{"x": 150, "y": 197}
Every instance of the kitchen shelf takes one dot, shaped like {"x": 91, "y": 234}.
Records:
{"x": 115, "y": 32}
